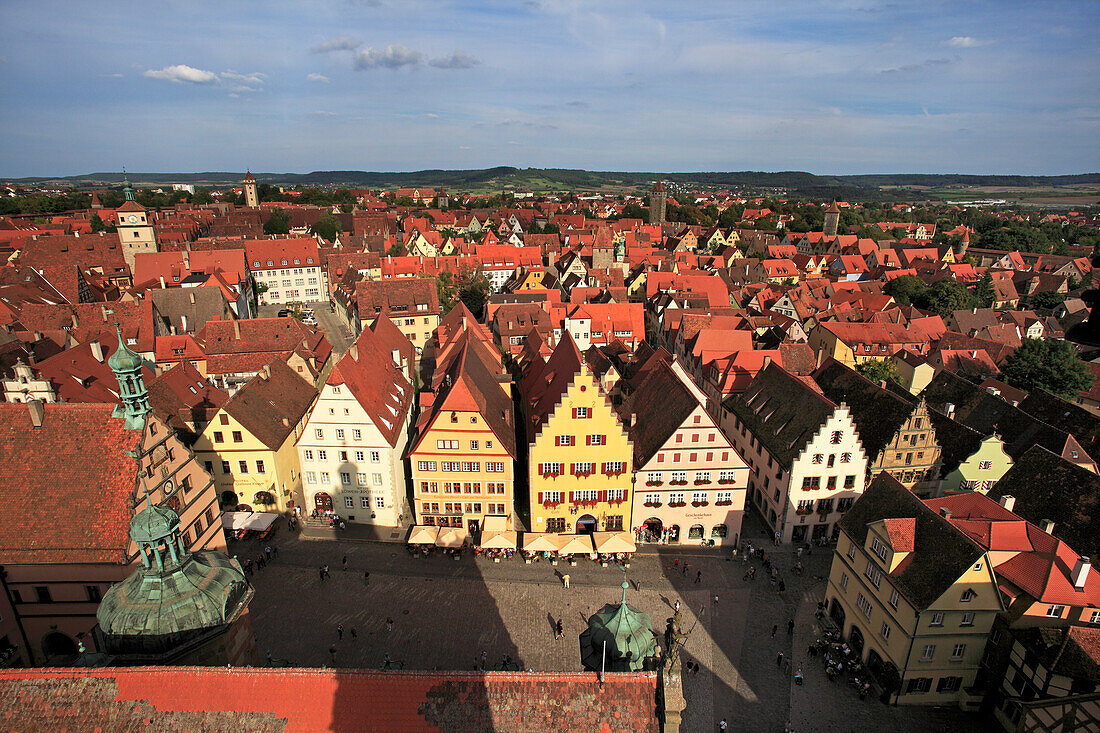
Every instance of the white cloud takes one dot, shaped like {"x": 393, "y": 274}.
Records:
{"x": 393, "y": 56}
{"x": 255, "y": 79}
{"x": 317, "y": 77}
{"x": 433, "y": 115}
{"x": 181, "y": 73}
{"x": 965, "y": 42}
{"x": 457, "y": 60}
{"x": 343, "y": 43}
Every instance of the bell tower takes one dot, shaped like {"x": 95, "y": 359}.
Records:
{"x": 133, "y": 397}
{"x": 251, "y": 191}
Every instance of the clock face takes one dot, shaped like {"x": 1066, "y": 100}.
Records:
{"x": 133, "y": 218}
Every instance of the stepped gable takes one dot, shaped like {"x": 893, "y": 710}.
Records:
{"x": 877, "y": 413}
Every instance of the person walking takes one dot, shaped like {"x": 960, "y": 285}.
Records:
{"x": 321, "y": 573}
{"x": 565, "y": 580}
{"x": 779, "y": 659}
{"x": 722, "y": 726}
{"x": 325, "y": 569}
{"x": 274, "y": 550}
{"x": 340, "y": 631}
{"x": 790, "y": 627}
{"x": 344, "y": 563}
{"x": 786, "y": 667}
{"x": 676, "y": 605}
{"x": 716, "y": 599}
{"x": 698, "y": 576}
{"x": 775, "y": 628}
{"x": 389, "y": 624}
{"x": 354, "y": 636}
{"x": 484, "y": 656}
{"x": 366, "y": 577}
{"x": 267, "y": 553}
{"x": 560, "y": 628}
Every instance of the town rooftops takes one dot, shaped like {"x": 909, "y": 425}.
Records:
{"x": 368, "y": 371}
{"x": 661, "y": 403}
{"x": 272, "y": 403}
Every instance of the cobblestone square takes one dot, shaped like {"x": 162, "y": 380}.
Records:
{"x": 447, "y": 612}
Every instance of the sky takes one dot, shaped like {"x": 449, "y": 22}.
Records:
{"x": 829, "y": 86}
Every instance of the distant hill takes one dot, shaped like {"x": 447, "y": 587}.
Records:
{"x": 796, "y": 183}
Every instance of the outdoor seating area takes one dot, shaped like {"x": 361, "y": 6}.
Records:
{"x": 242, "y": 525}
{"x": 497, "y": 542}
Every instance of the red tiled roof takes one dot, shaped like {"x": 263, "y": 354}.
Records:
{"x": 177, "y": 699}
{"x": 48, "y": 514}
{"x": 368, "y": 371}
{"x": 901, "y": 532}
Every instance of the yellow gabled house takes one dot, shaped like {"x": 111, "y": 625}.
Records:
{"x": 249, "y": 444}
{"x": 580, "y": 458}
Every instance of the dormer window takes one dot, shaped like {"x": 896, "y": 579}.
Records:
{"x": 879, "y": 548}
{"x": 283, "y": 263}
{"x": 967, "y": 596}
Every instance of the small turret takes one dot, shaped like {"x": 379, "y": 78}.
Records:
{"x": 832, "y": 219}
{"x": 134, "y": 398}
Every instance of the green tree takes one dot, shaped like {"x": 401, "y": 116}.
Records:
{"x": 983, "y": 292}
{"x": 1047, "y": 300}
{"x": 878, "y": 371}
{"x": 202, "y": 196}
{"x": 945, "y": 296}
{"x": 395, "y": 250}
{"x": 1049, "y": 365}
{"x": 328, "y": 226}
{"x": 906, "y": 290}
{"x": 277, "y": 223}
{"x": 446, "y": 290}
{"x": 474, "y": 294}
{"x": 97, "y": 224}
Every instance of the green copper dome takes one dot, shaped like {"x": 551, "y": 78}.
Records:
{"x": 123, "y": 360}
{"x": 153, "y": 524}
{"x": 630, "y": 642}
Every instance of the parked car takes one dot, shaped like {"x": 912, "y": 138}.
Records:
{"x": 309, "y": 320}
{"x": 284, "y": 313}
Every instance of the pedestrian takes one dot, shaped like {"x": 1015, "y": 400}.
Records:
{"x": 786, "y": 667}
{"x": 248, "y": 566}
{"x": 684, "y": 569}
{"x": 565, "y": 580}
{"x": 354, "y": 636}
{"x": 695, "y": 669}
{"x": 340, "y": 631}
{"x": 366, "y": 577}
{"x": 560, "y": 629}
{"x": 698, "y": 576}
{"x": 267, "y": 552}
{"x": 676, "y": 563}
{"x": 676, "y": 605}
{"x": 320, "y": 571}
{"x": 332, "y": 653}
{"x": 777, "y": 536}
{"x": 275, "y": 550}
{"x": 483, "y": 656}
{"x": 260, "y": 561}
{"x": 722, "y": 726}
{"x": 344, "y": 562}
{"x": 790, "y": 627}
{"x": 775, "y": 628}
{"x": 325, "y": 568}
{"x": 782, "y": 586}
{"x": 716, "y": 599}
{"x": 779, "y": 659}
{"x": 389, "y": 624}
{"x": 800, "y": 552}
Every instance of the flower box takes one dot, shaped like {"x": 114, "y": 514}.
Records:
{"x": 550, "y": 475}
{"x": 803, "y": 512}
{"x": 652, "y": 503}
{"x": 700, "y": 503}
{"x": 551, "y": 504}
{"x": 723, "y": 503}
{"x": 613, "y": 473}
{"x": 701, "y": 483}
{"x": 677, "y": 483}
{"x": 725, "y": 481}
{"x": 677, "y": 503}
{"x": 654, "y": 483}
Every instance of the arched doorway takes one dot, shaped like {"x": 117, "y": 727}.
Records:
{"x": 836, "y": 613}
{"x": 56, "y": 645}
{"x": 674, "y": 533}
{"x": 855, "y": 640}
{"x": 695, "y": 532}
{"x": 265, "y": 498}
{"x": 586, "y": 524}
{"x": 322, "y": 501}
{"x": 229, "y": 499}
{"x": 798, "y": 534}
{"x": 653, "y": 528}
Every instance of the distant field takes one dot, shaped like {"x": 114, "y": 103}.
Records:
{"x": 1075, "y": 195}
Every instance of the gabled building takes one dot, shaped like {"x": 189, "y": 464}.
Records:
{"x": 287, "y": 270}
{"x": 913, "y": 596}
{"x": 580, "y": 457}
{"x": 690, "y": 483}
{"x": 353, "y": 445}
{"x": 249, "y": 444}
{"x": 462, "y": 456}
{"x": 807, "y": 465}
{"x": 412, "y": 305}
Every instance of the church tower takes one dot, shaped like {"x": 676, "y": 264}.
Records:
{"x": 251, "y": 192}
{"x": 657, "y": 197}
{"x": 178, "y": 607}
{"x": 832, "y": 219}
{"x": 133, "y": 397}
{"x": 135, "y": 231}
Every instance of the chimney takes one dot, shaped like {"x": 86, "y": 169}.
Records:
{"x": 286, "y": 423}
{"x": 103, "y": 310}
{"x": 183, "y": 324}
{"x": 945, "y": 512}
{"x": 236, "y": 330}
{"x": 76, "y": 324}
{"x": 37, "y": 411}
{"x": 949, "y": 409}
{"x": 633, "y": 419}
{"x": 974, "y": 310}
{"x": 265, "y": 373}
{"x": 191, "y": 296}
{"x": 1081, "y": 572}
{"x": 1008, "y": 501}
{"x": 1047, "y": 525}
{"x": 162, "y": 285}
{"x": 97, "y": 351}
{"x": 77, "y": 234}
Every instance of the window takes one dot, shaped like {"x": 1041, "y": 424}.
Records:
{"x": 356, "y": 433}
{"x": 985, "y": 465}
{"x": 209, "y": 466}
{"x": 879, "y": 548}
{"x": 349, "y": 502}
{"x": 92, "y": 591}
{"x": 473, "y": 445}
{"x": 918, "y": 685}
{"x": 581, "y": 412}
{"x": 852, "y": 551}
{"x": 376, "y": 457}
{"x": 937, "y": 619}
{"x": 218, "y": 437}
{"x": 242, "y": 466}
{"x": 345, "y": 478}
{"x": 597, "y": 440}
{"x": 699, "y": 497}
{"x": 1095, "y": 617}
{"x": 583, "y": 468}
{"x": 850, "y": 482}
{"x": 225, "y": 467}
{"x": 836, "y": 437}
{"x": 615, "y": 495}
{"x": 957, "y": 652}
{"x": 873, "y": 574}
{"x": 361, "y": 479}
{"x": 831, "y": 462}
{"x": 968, "y": 596}
{"x": 324, "y": 477}
{"x": 307, "y": 455}
{"x": 894, "y": 598}
{"x": 967, "y": 619}
{"x": 725, "y": 497}
{"x": 1054, "y": 611}
{"x": 260, "y": 467}
{"x": 884, "y": 632}
{"x": 494, "y": 466}
{"x": 845, "y": 457}
{"x": 42, "y": 593}
{"x": 380, "y": 503}
{"x": 340, "y": 433}
{"x": 927, "y": 652}
{"x": 564, "y": 440}
{"x": 223, "y": 419}
{"x": 237, "y": 438}
{"x": 358, "y": 455}
{"x": 844, "y": 581}
{"x": 818, "y": 458}
{"x": 949, "y": 684}
{"x": 805, "y": 506}
{"x": 319, "y": 433}
{"x": 322, "y": 455}
{"x": 676, "y": 497}
{"x": 446, "y": 444}
{"x": 863, "y": 605}
{"x": 343, "y": 455}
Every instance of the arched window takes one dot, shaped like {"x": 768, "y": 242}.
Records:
{"x": 719, "y": 530}
{"x": 696, "y": 532}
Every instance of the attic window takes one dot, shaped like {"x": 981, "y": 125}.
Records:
{"x": 297, "y": 261}
{"x": 256, "y": 263}
{"x": 270, "y": 263}
{"x": 282, "y": 262}
{"x": 309, "y": 260}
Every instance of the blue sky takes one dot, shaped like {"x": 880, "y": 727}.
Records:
{"x": 834, "y": 86}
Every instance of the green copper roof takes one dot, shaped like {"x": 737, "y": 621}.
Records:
{"x": 123, "y": 360}
{"x": 629, "y": 636}
{"x": 153, "y": 523}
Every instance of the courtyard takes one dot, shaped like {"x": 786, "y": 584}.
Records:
{"x": 452, "y": 614}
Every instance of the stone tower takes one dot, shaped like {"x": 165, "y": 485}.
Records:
{"x": 178, "y": 607}
{"x": 964, "y": 244}
{"x": 133, "y": 397}
{"x": 602, "y": 249}
{"x": 657, "y": 197}
{"x": 251, "y": 191}
{"x": 619, "y": 638}
{"x": 832, "y": 219}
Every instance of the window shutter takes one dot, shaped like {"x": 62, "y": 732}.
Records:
{"x": 626, "y": 495}
{"x": 588, "y": 440}
{"x": 557, "y": 440}
{"x": 571, "y": 493}
{"x": 573, "y": 468}
{"x": 540, "y": 498}
{"x": 603, "y": 495}
{"x": 603, "y": 439}
{"x": 574, "y": 413}
{"x": 603, "y": 468}
{"x": 540, "y": 468}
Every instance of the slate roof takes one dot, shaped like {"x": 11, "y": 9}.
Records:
{"x": 1046, "y": 486}
{"x": 269, "y": 407}
{"x": 662, "y": 403}
{"x": 941, "y": 553}
{"x": 877, "y": 413}
{"x": 47, "y": 514}
{"x": 782, "y": 411}
{"x": 179, "y": 699}
{"x": 1076, "y": 420}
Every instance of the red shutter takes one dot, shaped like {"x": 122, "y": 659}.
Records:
{"x": 540, "y": 498}
{"x": 603, "y": 468}
{"x": 540, "y": 469}
{"x": 573, "y": 468}
{"x": 557, "y": 440}
{"x": 626, "y": 495}
{"x": 571, "y": 496}
{"x": 603, "y": 495}
{"x": 603, "y": 439}
{"x": 588, "y": 440}
{"x": 574, "y": 413}
{"x": 572, "y": 440}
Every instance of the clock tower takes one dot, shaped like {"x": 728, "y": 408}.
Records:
{"x": 135, "y": 231}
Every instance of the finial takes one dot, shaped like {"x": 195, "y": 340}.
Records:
{"x": 624, "y": 586}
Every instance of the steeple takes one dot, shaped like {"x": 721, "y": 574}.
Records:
{"x": 619, "y": 638}
{"x": 127, "y": 189}
{"x": 131, "y": 386}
